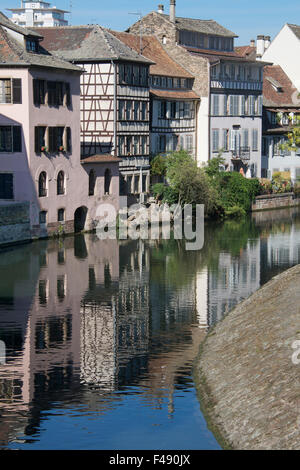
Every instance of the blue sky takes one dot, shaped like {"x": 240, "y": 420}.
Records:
{"x": 246, "y": 18}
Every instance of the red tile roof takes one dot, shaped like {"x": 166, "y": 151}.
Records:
{"x": 278, "y": 90}
{"x": 248, "y": 52}
{"x": 185, "y": 94}
{"x": 103, "y": 158}
{"x": 153, "y": 50}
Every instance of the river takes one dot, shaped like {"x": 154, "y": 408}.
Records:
{"x": 98, "y": 337}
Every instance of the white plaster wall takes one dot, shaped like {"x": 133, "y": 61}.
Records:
{"x": 283, "y": 51}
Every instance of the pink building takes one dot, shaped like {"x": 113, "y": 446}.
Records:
{"x": 40, "y": 139}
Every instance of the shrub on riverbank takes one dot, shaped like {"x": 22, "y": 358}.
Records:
{"x": 221, "y": 192}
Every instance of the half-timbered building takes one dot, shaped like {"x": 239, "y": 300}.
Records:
{"x": 229, "y": 118}
{"x": 114, "y": 98}
{"x": 173, "y": 102}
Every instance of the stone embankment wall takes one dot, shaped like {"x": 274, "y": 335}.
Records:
{"x": 14, "y": 223}
{"x": 274, "y": 201}
{"x": 248, "y": 371}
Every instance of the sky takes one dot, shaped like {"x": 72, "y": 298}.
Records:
{"x": 245, "y": 18}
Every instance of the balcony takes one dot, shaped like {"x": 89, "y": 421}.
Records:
{"x": 242, "y": 153}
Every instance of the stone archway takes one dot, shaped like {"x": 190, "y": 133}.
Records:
{"x": 80, "y": 219}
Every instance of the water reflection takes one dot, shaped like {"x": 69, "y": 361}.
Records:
{"x": 87, "y": 325}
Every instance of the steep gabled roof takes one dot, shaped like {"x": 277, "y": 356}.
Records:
{"x": 210, "y": 27}
{"x": 4, "y": 21}
{"x": 278, "y": 90}
{"x": 87, "y": 43}
{"x": 153, "y": 50}
{"x": 295, "y": 28}
{"x": 13, "y": 53}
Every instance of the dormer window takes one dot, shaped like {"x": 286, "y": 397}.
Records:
{"x": 32, "y": 45}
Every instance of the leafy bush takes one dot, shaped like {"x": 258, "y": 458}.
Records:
{"x": 235, "y": 211}
{"x": 159, "y": 165}
{"x": 236, "y": 190}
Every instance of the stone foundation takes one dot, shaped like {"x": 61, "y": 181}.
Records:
{"x": 275, "y": 201}
{"x": 14, "y": 223}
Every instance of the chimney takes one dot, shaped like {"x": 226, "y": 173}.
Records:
{"x": 260, "y": 45}
{"x": 161, "y": 9}
{"x": 252, "y": 43}
{"x": 267, "y": 42}
{"x": 172, "y": 10}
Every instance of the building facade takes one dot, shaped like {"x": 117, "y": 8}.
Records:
{"x": 229, "y": 118}
{"x": 114, "y": 99}
{"x": 174, "y": 104}
{"x": 40, "y": 139}
{"x": 281, "y": 107}
{"x": 38, "y": 14}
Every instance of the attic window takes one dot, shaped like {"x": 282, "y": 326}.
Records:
{"x": 275, "y": 84}
{"x": 31, "y": 45}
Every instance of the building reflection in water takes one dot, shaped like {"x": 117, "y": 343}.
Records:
{"x": 82, "y": 321}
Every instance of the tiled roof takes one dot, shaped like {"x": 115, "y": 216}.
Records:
{"x": 248, "y": 52}
{"x": 175, "y": 94}
{"x": 4, "y": 21}
{"x": 202, "y": 26}
{"x": 104, "y": 158}
{"x": 87, "y": 43}
{"x": 13, "y": 53}
{"x": 278, "y": 90}
{"x": 216, "y": 56}
{"x": 153, "y": 50}
{"x": 295, "y": 28}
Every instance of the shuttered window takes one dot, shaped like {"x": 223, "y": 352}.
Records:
{"x": 254, "y": 139}
{"x": 39, "y": 139}
{"x": 215, "y": 105}
{"x": 215, "y": 140}
{"x": 6, "y": 186}
{"x": 10, "y": 139}
{"x": 11, "y": 90}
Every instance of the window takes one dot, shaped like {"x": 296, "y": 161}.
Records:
{"x": 56, "y": 139}
{"x": 162, "y": 142}
{"x": 215, "y": 140}
{"x": 251, "y": 105}
{"x": 245, "y": 138}
{"x": 60, "y": 215}
{"x": 60, "y": 183}
{"x": 107, "y": 180}
{"x": 10, "y": 139}
{"x": 6, "y": 186}
{"x": 162, "y": 110}
{"x": 92, "y": 183}
{"x": 39, "y": 91}
{"x": 11, "y": 90}
{"x": 43, "y": 217}
{"x": 215, "y": 105}
{"x": 32, "y": 45}
{"x": 39, "y": 139}
{"x": 136, "y": 184}
{"x": 225, "y": 144}
{"x": 43, "y": 184}
{"x": 254, "y": 139}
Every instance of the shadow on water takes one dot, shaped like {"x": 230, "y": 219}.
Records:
{"x": 98, "y": 336}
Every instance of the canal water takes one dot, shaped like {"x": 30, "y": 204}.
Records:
{"x": 98, "y": 338}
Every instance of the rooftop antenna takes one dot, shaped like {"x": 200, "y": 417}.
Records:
{"x": 139, "y": 14}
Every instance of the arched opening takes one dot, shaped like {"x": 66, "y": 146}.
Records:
{"x": 92, "y": 182}
{"x": 60, "y": 183}
{"x": 43, "y": 184}
{"x": 107, "y": 180}
{"x": 80, "y": 219}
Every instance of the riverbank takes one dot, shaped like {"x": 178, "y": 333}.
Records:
{"x": 247, "y": 382}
